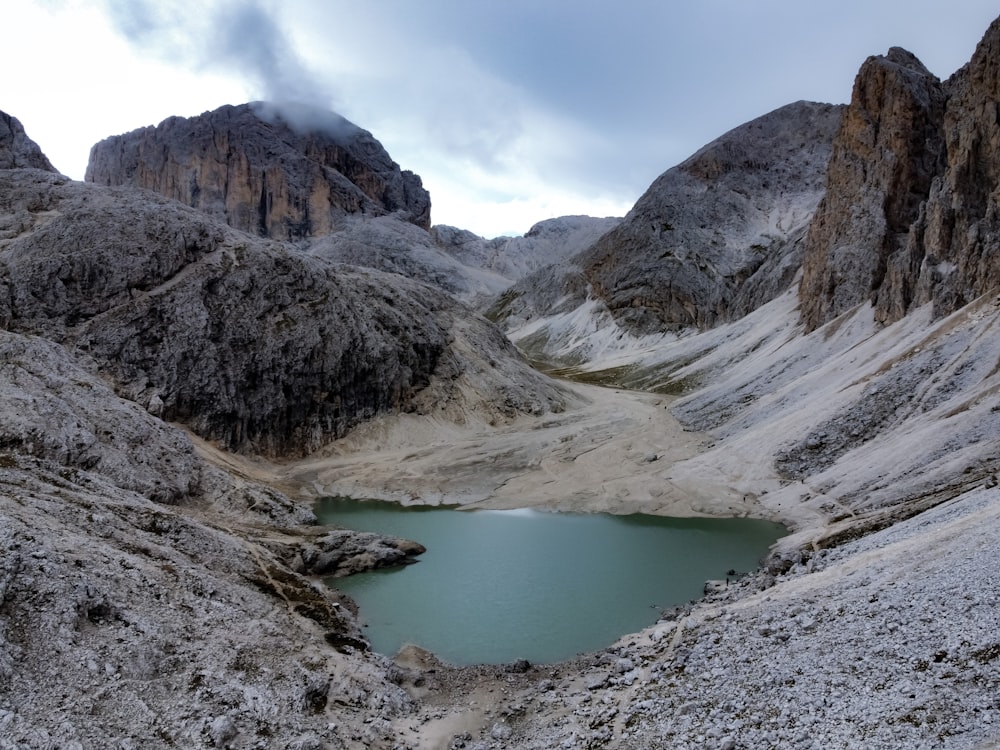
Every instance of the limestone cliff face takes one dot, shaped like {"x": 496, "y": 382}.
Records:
{"x": 286, "y": 173}
{"x": 911, "y": 214}
{"x": 17, "y": 150}
{"x": 885, "y": 156}
{"x": 958, "y": 236}
{"x": 718, "y": 235}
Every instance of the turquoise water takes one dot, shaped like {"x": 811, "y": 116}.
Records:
{"x": 497, "y": 586}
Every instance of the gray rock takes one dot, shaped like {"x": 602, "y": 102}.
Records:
{"x": 287, "y": 172}
{"x": 222, "y": 731}
{"x": 863, "y": 222}
{"x": 710, "y": 240}
{"x": 501, "y": 731}
{"x": 17, "y": 150}
{"x": 912, "y": 202}
{"x": 624, "y": 665}
{"x": 248, "y": 342}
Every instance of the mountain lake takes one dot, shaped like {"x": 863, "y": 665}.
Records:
{"x": 496, "y": 586}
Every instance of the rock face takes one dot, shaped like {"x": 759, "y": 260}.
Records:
{"x": 710, "y": 238}
{"x": 107, "y": 592}
{"x": 248, "y": 342}
{"x": 886, "y": 155}
{"x": 287, "y": 173}
{"x": 17, "y": 151}
{"x": 548, "y": 242}
{"x": 911, "y": 211}
{"x": 471, "y": 268}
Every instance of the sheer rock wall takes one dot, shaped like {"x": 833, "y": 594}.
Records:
{"x": 283, "y": 173}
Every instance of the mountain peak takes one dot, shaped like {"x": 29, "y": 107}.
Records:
{"x": 283, "y": 171}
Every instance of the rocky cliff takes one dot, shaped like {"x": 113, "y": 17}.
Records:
{"x": 17, "y": 150}
{"x": 285, "y": 173}
{"x": 911, "y": 210}
{"x": 708, "y": 240}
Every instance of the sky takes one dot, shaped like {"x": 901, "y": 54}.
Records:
{"x": 511, "y": 111}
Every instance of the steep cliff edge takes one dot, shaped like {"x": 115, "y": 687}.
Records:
{"x": 911, "y": 211}
{"x": 287, "y": 173}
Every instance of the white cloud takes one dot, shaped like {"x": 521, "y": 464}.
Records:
{"x": 79, "y": 81}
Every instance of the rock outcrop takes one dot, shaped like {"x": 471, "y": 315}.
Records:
{"x": 286, "y": 173}
{"x": 886, "y": 154}
{"x": 17, "y": 150}
{"x": 911, "y": 215}
{"x": 709, "y": 239}
{"x": 344, "y": 552}
{"x": 248, "y": 342}
{"x": 548, "y": 242}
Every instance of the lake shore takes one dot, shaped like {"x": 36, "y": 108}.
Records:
{"x": 866, "y": 626}
{"x": 615, "y": 451}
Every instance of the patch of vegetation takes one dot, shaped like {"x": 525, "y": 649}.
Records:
{"x": 533, "y": 346}
{"x": 245, "y": 663}
{"x": 987, "y": 654}
{"x": 678, "y": 386}
{"x": 612, "y": 377}
{"x": 500, "y": 310}
{"x": 300, "y": 595}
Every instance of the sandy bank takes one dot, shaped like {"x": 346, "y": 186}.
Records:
{"x": 614, "y": 452}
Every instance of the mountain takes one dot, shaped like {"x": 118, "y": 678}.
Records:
{"x": 144, "y": 345}
{"x": 253, "y": 344}
{"x": 288, "y": 173}
{"x": 810, "y": 303}
{"x": 471, "y": 268}
{"x": 17, "y": 150}
{"x": 710, "y": 240}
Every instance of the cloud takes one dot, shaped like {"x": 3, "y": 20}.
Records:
{"x": 526, "y": 105}
{"x": 240, "y": 37}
